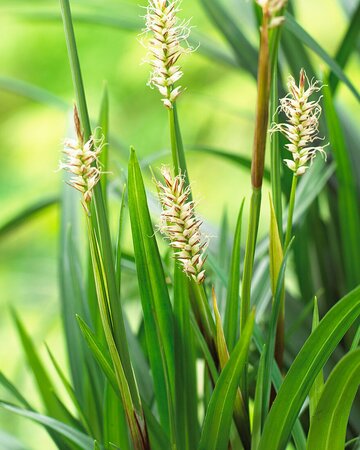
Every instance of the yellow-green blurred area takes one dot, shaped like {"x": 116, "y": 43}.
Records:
{"x": 216, "y": 110}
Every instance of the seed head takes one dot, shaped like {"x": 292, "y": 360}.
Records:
{"x": 302, "y": 126}
{"x": 167, "y": 43}
{"x": 271, "y": 8}
{"x": 82, "y": 161}
{"x": 180, "y": 225}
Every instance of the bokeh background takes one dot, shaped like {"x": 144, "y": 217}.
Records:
{"x": 217, "y": 110}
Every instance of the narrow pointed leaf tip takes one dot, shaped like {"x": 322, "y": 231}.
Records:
{"x": 180, "y": 225}
{"x": 167, "y": 43}
{"x": 82, "y": 162}
{"x": 302, "y": 124}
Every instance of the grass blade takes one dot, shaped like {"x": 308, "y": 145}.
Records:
{"x": 317, "y": 387}
{"x": 292, "y": 26}
{"x": 158, "y": 317}
{"x": 216, "y": 428}
{"x": 115, "y": 427}
{"x": 22, "y": 218}
{"x": 302, "y": 373}
{"x": 81, "y": 440}
{"x": 329, "y": 423}
{"x": 231, "y": 320}
{"x": 348, "y": 204}
{"x": 278, "y": 297}
{"x": 346, "y": 47}
{"x": 187, "y": 427}
{"x": 245, "y": 53}
{"x": 258, "y": 402}
{"x": 43, "y": 380}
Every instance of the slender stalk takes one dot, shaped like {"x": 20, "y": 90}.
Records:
{"x": 257, "y": 173}
{"x": 101, "y": 226}
{"x": 280, "y": 329}
{"x": 290, "y": 212}
{"x": 177, "y": 147}
{"x": 275, "y": 158}
{"x": 249, "y": 255}
{"x": 257, "y": 167}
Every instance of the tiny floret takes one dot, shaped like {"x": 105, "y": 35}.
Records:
{"x": 166, "y": 43}
{"x": 180, "y": 225}
{"x": 82, "y": 162}
{"x": 302, "y": 124}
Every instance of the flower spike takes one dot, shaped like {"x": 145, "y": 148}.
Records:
{"x": 165, "y": 47}
{"x": 180, "y": 225}
{"x": 82, "y": 161}
{"x": 302, "y": 126}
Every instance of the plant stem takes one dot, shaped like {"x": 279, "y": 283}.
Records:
{"x": 249, "y": 256}
{"x": 100, "y": 224}
{"x": 275, "y": 155}
{"x": 290, "y": 212}
{"x": 177, "y": 147}
{"x": 280, "y": 332}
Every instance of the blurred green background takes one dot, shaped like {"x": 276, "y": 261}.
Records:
{"x": 217, "y": 110}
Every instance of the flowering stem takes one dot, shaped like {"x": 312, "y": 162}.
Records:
{"x": 290, "y": 212}
{"x": 275, "y": 155}
{"x": 177, "y": 148}
{"x": 249, "y": 255}
{"x": 257, "y": 173}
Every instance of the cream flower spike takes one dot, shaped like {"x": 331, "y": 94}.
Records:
{"x": 167, "y": 43}
{"x": 180, "y": 225}
{"x": 82, "y": 162}
{"x": 271, "y": 8}
{"x": 302, "y": 127}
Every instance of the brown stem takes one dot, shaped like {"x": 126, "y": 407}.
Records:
{"x": 262, "y": 106}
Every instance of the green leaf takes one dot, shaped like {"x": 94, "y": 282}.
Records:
{"x": 158, "y": 317}
{"x": 100, "y": 354}
{"x": 119, "y": 242}
{"x": 275, "y": 153}
{"x": 158, "y": 438}
{"x": 245, "y": 53}
{"x": 115, "y": 426}
{"x": 187, "y": 427}
{"x": 216, "y": 428}
{"x": 292, "y": 26}
{"x": 103, "y": 132}
{"x": 202, "y": 43}
{"x": 302, "y": 373}
{"x": 240, "y": 160}
{"x": 81, "y": 440}
{"x": 278, "y": 298}
{"x": 232, "y": 311}
{"x": 277, "y": 379}
{"x": 130, "y": 399}
{"x": 329, "y": 423}
{"x": 317, "y": 387}
{"x": 70, "y": 391}
{"x": 32, "y": 92}
{"x": 258, "y": 402}
{"x": 347, "y": 46}
{"x": 275, "y": 249}
{"x": 43, "y": 380}
{"x": 241, "y": 417}
{"x": 7, "y": 384}
{"x": 348, "y": 203}
{"x": 29, "y": 212}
